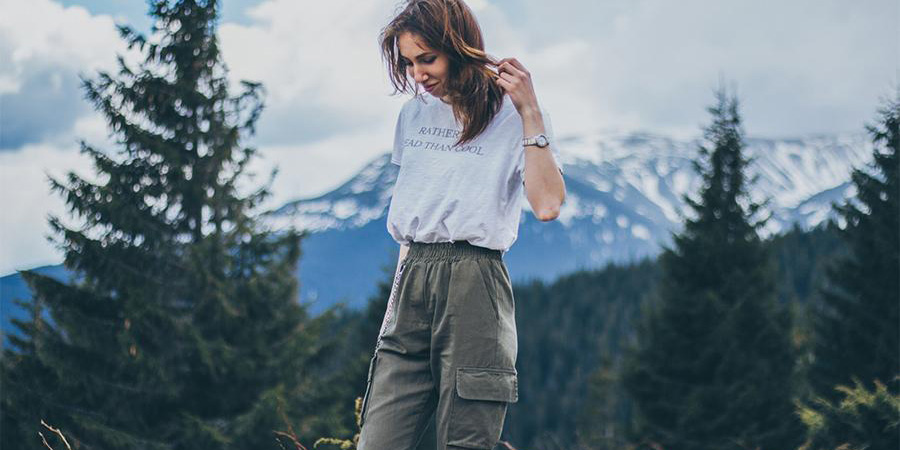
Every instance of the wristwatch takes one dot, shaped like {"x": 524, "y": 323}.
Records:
{"x": 539, "y": 141}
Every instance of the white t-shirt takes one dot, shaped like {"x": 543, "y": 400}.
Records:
{"x": 446, "y": 193}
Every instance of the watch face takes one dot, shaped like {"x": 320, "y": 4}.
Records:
{"x": 542, "y": 141}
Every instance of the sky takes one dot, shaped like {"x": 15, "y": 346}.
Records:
{"x": 800, "y": 67}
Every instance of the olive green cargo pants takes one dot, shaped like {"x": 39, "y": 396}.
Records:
{"x": 446, "y": 351}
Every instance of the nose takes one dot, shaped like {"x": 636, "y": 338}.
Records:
{"x": 418, "y": 73}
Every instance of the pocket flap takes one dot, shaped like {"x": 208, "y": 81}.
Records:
{"x": 487, "y": 383}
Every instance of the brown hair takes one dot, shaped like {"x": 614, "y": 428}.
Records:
{"x": 448, "y": 26}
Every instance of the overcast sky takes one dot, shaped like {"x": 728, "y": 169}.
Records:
{"x": 800, "y": 67}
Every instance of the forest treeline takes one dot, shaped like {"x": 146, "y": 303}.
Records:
{"x": 185, "y": 332}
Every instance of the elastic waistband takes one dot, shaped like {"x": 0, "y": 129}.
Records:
{"x": 451, "y": 250}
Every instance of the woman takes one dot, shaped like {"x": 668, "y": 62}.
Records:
{"x": 466, "y": 150}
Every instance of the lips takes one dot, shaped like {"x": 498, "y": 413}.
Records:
{"x": 430, "y": 87}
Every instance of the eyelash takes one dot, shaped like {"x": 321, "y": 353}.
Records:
{"x": 405, "y": 62}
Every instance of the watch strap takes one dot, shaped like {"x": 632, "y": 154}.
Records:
{"x": 533, "y": 140}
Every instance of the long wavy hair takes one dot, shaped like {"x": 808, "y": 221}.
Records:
{"x": 448, "y": 26}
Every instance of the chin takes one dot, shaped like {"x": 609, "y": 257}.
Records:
{"x": 439, "y": 92}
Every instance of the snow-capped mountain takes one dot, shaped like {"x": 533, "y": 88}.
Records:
{"x": 624, "y": 198}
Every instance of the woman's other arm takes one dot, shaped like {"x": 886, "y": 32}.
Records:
{"x": 544, "y": 184}
{"x": 545, "y": 188}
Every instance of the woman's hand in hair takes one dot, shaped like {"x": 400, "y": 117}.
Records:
{"x": 516, "y": 82}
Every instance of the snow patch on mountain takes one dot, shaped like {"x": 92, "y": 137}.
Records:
{"x": 629, "y": 188}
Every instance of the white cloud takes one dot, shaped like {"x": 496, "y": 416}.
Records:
{"x": 800, "y": 67}
{"x": 27, "y": 200}
{"x": 43, "y": 49}
{"x": 40, "y": 33}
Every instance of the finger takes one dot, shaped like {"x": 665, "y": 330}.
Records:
{"x": 514, "y": 70}
{"x": 515, "y": 62}
{"x": 509, "y": 78}
{"x": 510, "y": 81}
{"x": 502, "y": 83}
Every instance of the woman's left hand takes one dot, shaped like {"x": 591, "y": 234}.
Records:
{"x": 516, "y": 81}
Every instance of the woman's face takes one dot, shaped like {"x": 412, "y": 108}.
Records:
{"x": 426, "y": 66}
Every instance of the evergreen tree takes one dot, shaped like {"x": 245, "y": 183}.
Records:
{"x": 803, "y": 257}
{"x": 185, "y": 332}
{"x": 861, "y": 419}
{"x": 713, "y": 365}
{"x": 857, "y": 324}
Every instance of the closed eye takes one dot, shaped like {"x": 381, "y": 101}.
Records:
{"x": 406, "y": 62}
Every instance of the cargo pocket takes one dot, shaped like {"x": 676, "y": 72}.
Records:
{"x": 365, "y": 401}
{"x": 479, "y": 405}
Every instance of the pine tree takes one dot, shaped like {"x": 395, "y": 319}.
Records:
{"x": 185, "y": 332}
{"x": 857, "y": 325}
{"x": 861, "y": 419}
{"x": 713, "y": 365}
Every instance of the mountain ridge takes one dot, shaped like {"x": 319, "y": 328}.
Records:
{"x": 624, "y": 200}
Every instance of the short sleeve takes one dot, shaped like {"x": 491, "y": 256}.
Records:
{"x": 397, "y": 153}
{"x": 554, "y": 145}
